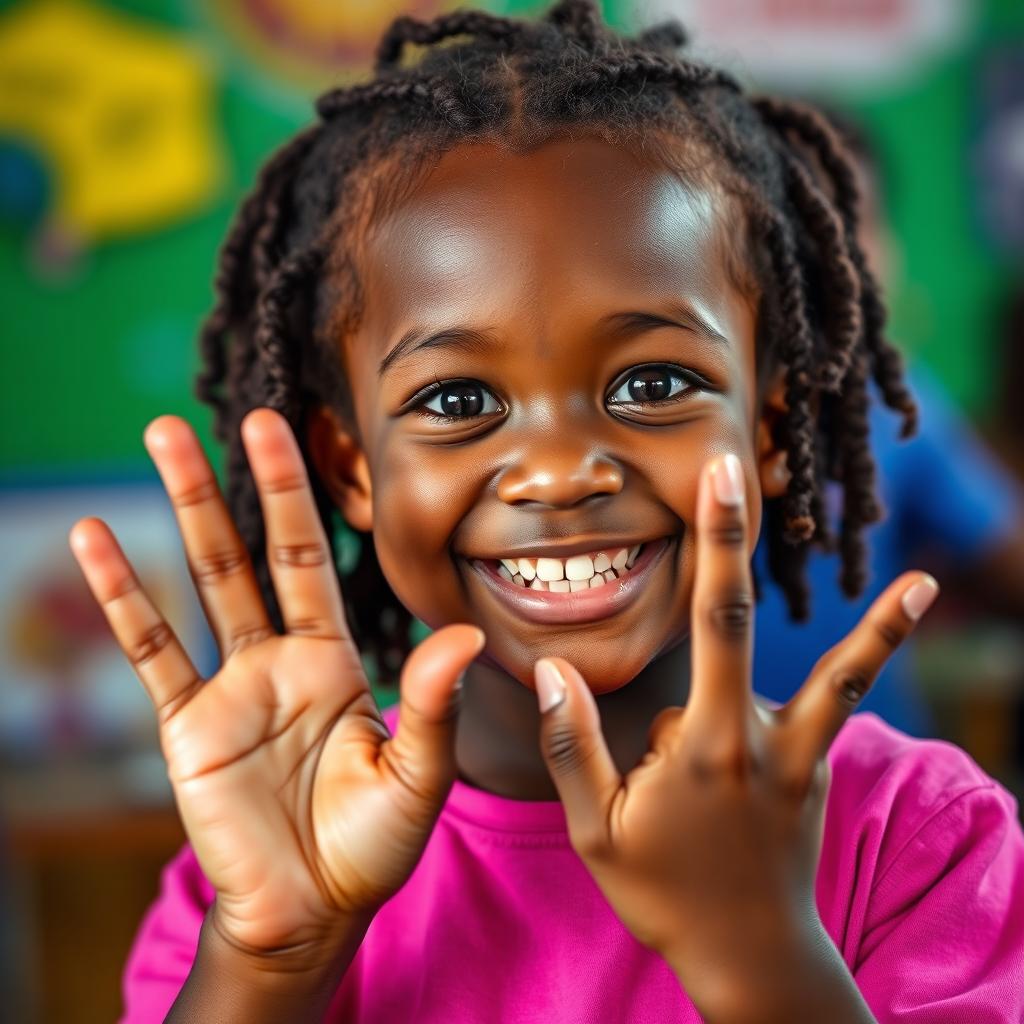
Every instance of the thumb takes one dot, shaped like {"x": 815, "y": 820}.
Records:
{"x": 576, "y": 754}
{"x": 423, "y": 747}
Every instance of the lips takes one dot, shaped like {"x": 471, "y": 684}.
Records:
{"x": 589, "y": 605}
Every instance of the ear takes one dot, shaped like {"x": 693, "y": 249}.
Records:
{"x": 342, "y": 466}
{"x": 771, "y": 458}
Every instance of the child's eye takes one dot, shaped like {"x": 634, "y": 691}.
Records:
{"x": 457, "y": 400}
{"x": 461, "y": 400}
{"x": 648, "y": 384}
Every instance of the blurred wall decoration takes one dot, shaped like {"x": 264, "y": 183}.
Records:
{"x": 808, "y": 43}
{"x": 107, "y": 122}
{"x": 309, "y": 43}
{"x": 998, "y": 148}
{"x": 129, "y": 131}
{"x": 64, "y": 686}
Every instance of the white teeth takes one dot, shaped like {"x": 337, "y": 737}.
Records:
{"x": 559, "y": 586}
{"x": 578, "y": 572}
{"x": 550, "y": 569}
{"x": 575, "y": 567}
{"x": 579, "y": 567}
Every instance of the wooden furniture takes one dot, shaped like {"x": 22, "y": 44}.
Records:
{"x": 84, "y": 850}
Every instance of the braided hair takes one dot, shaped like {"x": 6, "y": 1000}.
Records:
{"x": 287, "y": 279}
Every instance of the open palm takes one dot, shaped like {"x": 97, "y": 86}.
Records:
{"x": 300, "y": 805}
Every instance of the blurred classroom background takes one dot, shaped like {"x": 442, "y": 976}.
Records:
{"x": 129, "y": 129}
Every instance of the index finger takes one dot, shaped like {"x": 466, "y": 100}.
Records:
{"x": 300, "y": 558}
{"x": 722, "y": 605}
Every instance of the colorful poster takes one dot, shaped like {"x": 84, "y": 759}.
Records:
{"x": 104, "y": 119}
{"x": 65, "y": 686}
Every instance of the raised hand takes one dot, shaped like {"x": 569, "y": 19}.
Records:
{"x": 303, "y": 810}
{"x": 708, "y": 849}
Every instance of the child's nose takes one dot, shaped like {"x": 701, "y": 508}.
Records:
{"x": 559, "y": 473}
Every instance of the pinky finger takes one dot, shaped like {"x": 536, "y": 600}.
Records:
{"x": 143, "y": 634}
{"x": 843, "y": 676}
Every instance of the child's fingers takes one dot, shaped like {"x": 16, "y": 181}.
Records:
{"x": 722, "y": 610}
{"x": 422, "y": 751}
{"x": 301, "y": 564}
{"x": 148, "y": 642}
{"x": 844, "y": 674}
{"x": 576, "y": 753}
{"x": 217, "y": 557}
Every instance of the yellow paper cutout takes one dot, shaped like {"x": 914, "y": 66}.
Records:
{"x": 121, "y": 111}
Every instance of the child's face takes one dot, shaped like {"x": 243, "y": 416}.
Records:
{"x": 570, "y": 263}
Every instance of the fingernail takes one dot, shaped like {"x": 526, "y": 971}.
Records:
{"x": 550, "y": 685}
{"x": 917, "y": 599}
{"x": 728, "y": 480}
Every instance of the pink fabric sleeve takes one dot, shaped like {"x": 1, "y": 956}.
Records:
{"x": 944, "y": 939}
{"x": 166, "y": 943}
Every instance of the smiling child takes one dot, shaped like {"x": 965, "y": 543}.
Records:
{"x": 551, "y": 317}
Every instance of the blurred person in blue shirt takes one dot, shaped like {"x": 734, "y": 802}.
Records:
{"x": 944, "y": 496}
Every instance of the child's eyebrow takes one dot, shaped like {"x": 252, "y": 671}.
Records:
{"x": 476, "y": 340}
{"x": 461, "y": 339}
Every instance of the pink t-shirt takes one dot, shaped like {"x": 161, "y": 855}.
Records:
{"x": 920, "y": 885}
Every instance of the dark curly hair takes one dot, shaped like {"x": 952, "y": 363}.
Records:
{"x": 287, "y": 280}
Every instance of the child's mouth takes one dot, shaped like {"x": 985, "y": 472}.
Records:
{"x": 581, "y": 588}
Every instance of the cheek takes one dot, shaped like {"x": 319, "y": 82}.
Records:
{"x": 707, "y": 441}
{"x": 418, "y": 505}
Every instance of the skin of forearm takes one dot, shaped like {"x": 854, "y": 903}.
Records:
{"x": 801, "y": 978}
{"x": 228, "y": 985}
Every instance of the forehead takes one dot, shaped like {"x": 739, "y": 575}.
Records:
{"x": 573, "y": 218}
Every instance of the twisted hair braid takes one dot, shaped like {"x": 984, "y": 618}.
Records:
{"x": 405, "y": 30}
{"x": 860, "y": 504}
{"x": 814, "y": 130}
{"x": 844, "y": 288}
{"x": 246, "y": 242}
{"x": 668, "y": 35}
{"x": 287, "y": 286}
{"x": 579, "y": 19}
